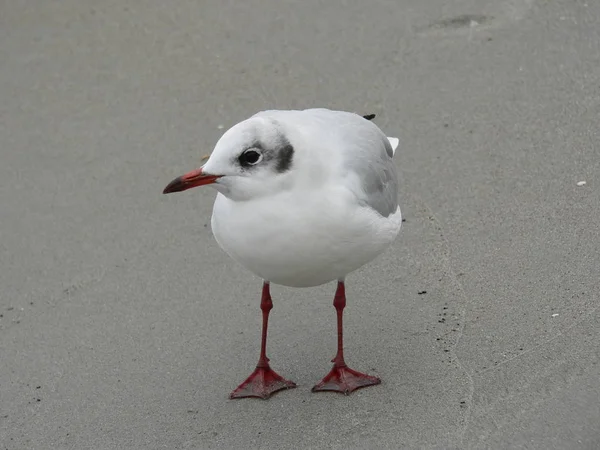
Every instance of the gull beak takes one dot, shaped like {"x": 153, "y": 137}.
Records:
{"x": 191, "y": 179}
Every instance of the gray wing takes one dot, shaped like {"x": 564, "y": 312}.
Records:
{"x": 380, "y": 185}
{"x": 379, "y": 182}
{"x": 368, "y": 154}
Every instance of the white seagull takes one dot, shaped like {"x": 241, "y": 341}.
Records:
{"x": 304, "y": 198}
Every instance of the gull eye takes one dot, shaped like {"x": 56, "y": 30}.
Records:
{"x": 250, "y": 158}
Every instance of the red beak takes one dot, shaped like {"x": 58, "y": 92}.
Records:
{"x": 189, "y": 180}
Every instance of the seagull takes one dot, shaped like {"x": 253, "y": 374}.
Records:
{"x": 305, "y": 197}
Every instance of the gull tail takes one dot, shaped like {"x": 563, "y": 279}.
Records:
{"x": 394, "y": 143}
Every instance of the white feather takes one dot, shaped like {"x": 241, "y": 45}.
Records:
{"x": 394, "y": 143}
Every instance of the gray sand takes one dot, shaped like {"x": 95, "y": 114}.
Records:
{"x": 124, "y": 326}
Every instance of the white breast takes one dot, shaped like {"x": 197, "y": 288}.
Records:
{"x": 305, "y": 240}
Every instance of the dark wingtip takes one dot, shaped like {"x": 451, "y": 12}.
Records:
{"x": 369, "y": 116}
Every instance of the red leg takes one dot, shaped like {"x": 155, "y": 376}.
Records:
{"x": 341, "y": 378}
{"x": 264, "y": 381}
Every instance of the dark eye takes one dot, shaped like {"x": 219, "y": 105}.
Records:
{"x": 249, "y": 158}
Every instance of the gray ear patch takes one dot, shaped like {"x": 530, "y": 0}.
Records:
{"x": 285, "y": 154}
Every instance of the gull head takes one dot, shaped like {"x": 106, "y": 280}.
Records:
{"x": 254, "y": 158}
